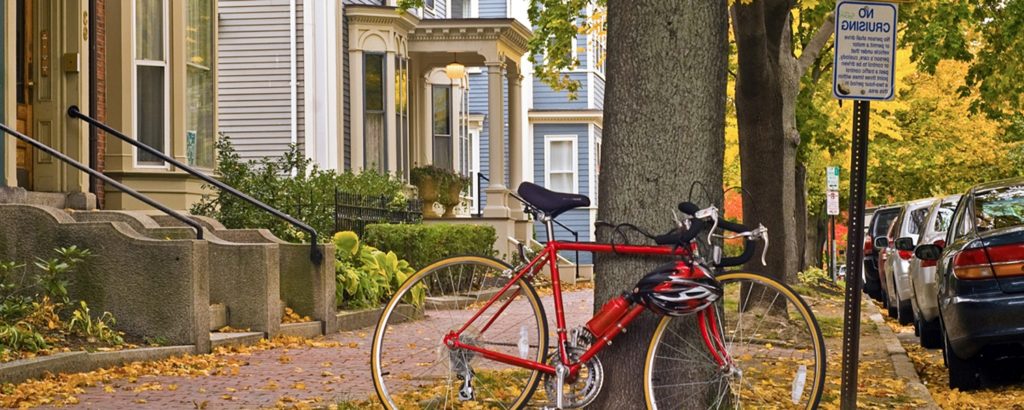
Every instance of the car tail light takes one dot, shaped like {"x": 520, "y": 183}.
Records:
{"x": 1007, "y": 260}
{"x": 869, "y": 244}
{"x": 906, "y": 255}
{"x": 972, "y": 264}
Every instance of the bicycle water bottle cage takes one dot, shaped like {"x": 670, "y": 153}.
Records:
{"x": 550, "y": 202}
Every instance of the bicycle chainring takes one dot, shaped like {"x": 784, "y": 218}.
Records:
{"x": 580, "y": 390}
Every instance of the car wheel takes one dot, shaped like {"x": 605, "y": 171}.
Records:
{"x": 917, "y": 325}
{"x": 906, "y": 314}
{"x": 930, "y": 334}
{"x": 964, "y": 374}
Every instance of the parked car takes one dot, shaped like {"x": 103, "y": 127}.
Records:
{"x": 899, "y": 250}
{"x": 882, "y": 244}
{"x": 922, "y": 273}
{"x": 981, "y": 280}
{"x": 882, "y": 217}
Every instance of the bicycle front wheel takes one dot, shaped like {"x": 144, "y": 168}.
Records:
{"x": 776, "y": 349}
{"x": 413, "y": 367}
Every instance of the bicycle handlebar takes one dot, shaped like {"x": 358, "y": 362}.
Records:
{"x": 749, "y": 242}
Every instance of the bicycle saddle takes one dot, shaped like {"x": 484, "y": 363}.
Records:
{"x": 550, "y": 202}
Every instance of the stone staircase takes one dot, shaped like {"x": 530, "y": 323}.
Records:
{"x": 151, "y": 273}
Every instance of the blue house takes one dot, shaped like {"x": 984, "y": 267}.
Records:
{"x": 360, "y": 86}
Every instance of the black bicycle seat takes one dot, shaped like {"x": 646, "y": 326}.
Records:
{"x": 550, "y": 202}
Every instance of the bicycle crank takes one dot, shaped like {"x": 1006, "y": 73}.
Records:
{"x": 578, "y": 391}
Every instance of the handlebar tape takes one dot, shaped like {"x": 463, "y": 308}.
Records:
{"x": 677, "y": 237}
{"x": 688, "y": 208}
{"x": 749, "y": 245}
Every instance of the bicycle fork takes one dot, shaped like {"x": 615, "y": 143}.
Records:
{"x": 711, "y": 334}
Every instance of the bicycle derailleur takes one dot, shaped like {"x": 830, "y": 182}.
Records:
{"x": 577, "y": 390}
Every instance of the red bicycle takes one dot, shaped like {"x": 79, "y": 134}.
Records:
{"x": 471, "y": 332}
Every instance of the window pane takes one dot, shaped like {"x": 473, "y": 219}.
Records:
{"x": 198, "y": 38}
{"x": 443, "y": 151}
{"x": 374, "y": 148}
{"x": 150, "y": 105}
{"x": 561, "y": 182}
{"x": 561, "y": 156}
{"x": 442, "y": 115}
{"x": 1000, "y": 208}
{"x": 199, "y": 138}
{"x": 374, "y": 80}
{"x": 149, "y": 30}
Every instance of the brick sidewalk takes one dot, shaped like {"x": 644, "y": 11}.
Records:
{"x": 276, "y": 376}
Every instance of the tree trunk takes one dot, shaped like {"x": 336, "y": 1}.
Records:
{"x": 817, "y": 238}
{"x": 664, "y": 122}
{"x": 800, "y": 214}
{"x": 767, "y": 152}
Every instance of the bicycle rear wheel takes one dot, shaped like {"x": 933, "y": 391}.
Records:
{"x": 770, "y": 333}
{"x": 413, "y": 368}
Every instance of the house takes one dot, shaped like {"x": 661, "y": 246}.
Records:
{"x": 360, "y": 86}
{"x": 144, "y": 67}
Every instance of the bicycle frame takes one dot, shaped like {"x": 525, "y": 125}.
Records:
{"x": 549, "y": 255}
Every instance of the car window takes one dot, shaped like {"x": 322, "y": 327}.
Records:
{"x": 893, "y": 228}
{"x": 952, "y": 234}
{"x": 942, "y": 219}
{"x": 964, "y": 224}
{"x": 999, "y": 208}
{"x": 917, "y": 218}
{"x": 884, "y": 218}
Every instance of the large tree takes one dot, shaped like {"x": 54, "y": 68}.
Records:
{"x": 664, "y": 117}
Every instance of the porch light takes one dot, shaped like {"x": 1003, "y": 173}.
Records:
{"x": 455, "y": 70}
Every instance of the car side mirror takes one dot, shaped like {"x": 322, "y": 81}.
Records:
{"x": 881, "y": 242}
{"x": 905, "y": 243}
{"x": 928, "y": 252}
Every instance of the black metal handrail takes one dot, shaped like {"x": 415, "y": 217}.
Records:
{"x": 110, "y": 181}
{"x": 530, "y": 209}
{"x": 314, "y": 251}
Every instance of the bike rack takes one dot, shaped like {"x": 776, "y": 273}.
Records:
{"x": 96, "y": 174}
{"x": 315, "y": 254}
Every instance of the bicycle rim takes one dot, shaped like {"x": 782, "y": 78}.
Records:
{"x": 776, "y": 347}
{"x": 413, "y": 368}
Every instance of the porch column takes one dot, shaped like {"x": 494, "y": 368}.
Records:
{"x": 355, "y": 76}
{"x": 497, "y": 194}
{"x": 515, "y": 139}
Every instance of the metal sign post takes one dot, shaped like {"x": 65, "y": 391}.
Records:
{"x": 863, "y": 70}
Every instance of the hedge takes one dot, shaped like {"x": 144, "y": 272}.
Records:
{"x": 423, "y": 244}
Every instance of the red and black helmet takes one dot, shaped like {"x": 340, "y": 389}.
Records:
{"x": 677, "y": 289}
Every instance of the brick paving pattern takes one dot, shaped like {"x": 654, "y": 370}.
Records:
{"x": 266, "y": 378}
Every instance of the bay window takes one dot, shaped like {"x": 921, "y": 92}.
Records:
{"x": 200, "y": 141}
{"x": 441, "y": 108}
{"x": 374, "y": 125}
{"x": 402, "y": 114}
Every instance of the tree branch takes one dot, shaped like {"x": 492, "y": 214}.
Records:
{"x": 817, "y": 43}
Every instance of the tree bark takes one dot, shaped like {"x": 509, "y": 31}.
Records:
{"x": 800, "y": 214}
{"x": 767, "y": 151}
{"x": 664, "y": 119}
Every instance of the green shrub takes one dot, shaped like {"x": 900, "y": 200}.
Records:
{"x": 422, "y": 245}
{"x": 293, "y": 184}
{"x": 367, "y": 276}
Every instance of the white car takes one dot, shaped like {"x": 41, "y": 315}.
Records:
{"x": 907, "y": 228}
{"x": 922, "y": 273}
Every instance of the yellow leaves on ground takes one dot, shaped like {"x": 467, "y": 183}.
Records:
{"x": 291, "y": 317}
{"x": 934, "y": 375}
{"x": 224, "y": 361}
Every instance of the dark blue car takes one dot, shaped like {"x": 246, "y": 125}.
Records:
{"x": 981, "y": 280}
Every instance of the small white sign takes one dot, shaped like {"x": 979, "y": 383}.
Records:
{"x": 832, "y": 200}
{"x": 832, "y": 178}
{"x": 865, "y": 54}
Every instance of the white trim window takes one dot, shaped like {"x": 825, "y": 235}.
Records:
{"x": 561, "y": 163}
{"x": 200, "y": 141}
{"x": 152, "y": 86}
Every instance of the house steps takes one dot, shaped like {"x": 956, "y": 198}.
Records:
{"x": 152, "y": 274}
{"x": 218, "y": 339}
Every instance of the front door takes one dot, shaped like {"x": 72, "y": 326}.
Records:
{"x": 25, "y": 86}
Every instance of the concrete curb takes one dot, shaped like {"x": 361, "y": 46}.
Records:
{"x": 77, "y": 362}
{"x": 901, "y": 362}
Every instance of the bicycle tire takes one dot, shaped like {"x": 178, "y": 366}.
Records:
{"x": 398, "y": 337}
{"x": 763, "y": 378}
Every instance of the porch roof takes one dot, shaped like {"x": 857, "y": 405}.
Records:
{"x": 490, "y": 39}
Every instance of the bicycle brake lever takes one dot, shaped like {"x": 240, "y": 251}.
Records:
{"x": 764, "y": 252}
{"x": 714, "y": 217}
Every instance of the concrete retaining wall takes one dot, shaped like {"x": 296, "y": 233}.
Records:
{"x": 155, "y": 288}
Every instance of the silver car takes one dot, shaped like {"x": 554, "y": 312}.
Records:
{"x": 897, "y": 261}
{"x": 922, "y": 273}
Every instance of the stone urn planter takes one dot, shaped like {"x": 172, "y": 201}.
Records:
{"x": 428, "y": 181}
{"x": 451, "y": 193}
